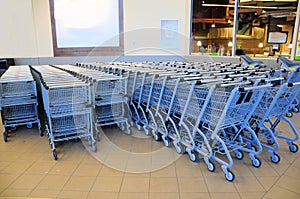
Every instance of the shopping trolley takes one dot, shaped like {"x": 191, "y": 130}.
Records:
{"x": 225, "y": 121}
{"x": 66, "y": 106}
{"x": 18, "y": 102}
{"x": 274, "y": 104}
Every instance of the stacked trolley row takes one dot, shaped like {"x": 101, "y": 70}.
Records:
{"x": 67, "y": 106}
{"x": 18, "y": 102}
{"x": 208, "y": 109}
{"x": 109, "y": 95}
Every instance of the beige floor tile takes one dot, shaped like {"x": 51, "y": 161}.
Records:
{"x": 293, "y": 172}
{"x": 44, "y": 193}
{"x": 280, "y": 168}
{"x": 7, "y": 179}
{"x": 15, "y": 193}
{"x": 248, "y": 184}
{"x": 267, "y": 182}
{"x": 18, "y": 167}
{"x": 53, "y": 182}
{"x": 296, "y": 163}
{"x": 87, "y": 170}
{"x": 79, "y": 183}
{"x": 164, "y": 196}
{"x": 277, "y": 192}
{"x": 133, "y": 196}
{"x": 225, "y": 196}
{"x": 40, "y": 168}
{"x": 252, "y": 195}
{"x": 163, "y": 185}
{"x": 4, "y": 164}
{"x": 110, "y": 184}
{"x": 168, "y": 171}
{"x": 289, "y": 183}
{"x": 242, "y": 170}
{"x": 102, "y": 195}
{"x": 137, "y": 175}
{"x": 139, "y": 163}
{"x": 188, "y": 169}
{"x": 9, "y": 155}
{"x": 63, "y": 168}
{"x": 216, "y": 184}
{"x": 107, "y": 171}
{"x": 194, "y": 195}
{"x": 264, "y": 170}
{"x": 192, "y": 185}
{"x": 141, "y": 146}
{"x": 26, "y": 181}
{"x": 116, "y": 161}
{"x": 134, "y": 184}
{"x": 91, "y": 160}
{"x": 72, "y": 194}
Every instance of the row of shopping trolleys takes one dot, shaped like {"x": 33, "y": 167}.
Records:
{"x": 18, "y": 101}
{"x": 205, "y": 109}
{"x": 72, "y": 104}
{"x": 212, "y": 110}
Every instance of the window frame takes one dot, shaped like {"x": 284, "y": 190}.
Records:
{"x": 91, "y": 51}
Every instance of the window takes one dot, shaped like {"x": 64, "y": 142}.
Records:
{"x": 264, "y": 28}
{"x": 89, "y": 27}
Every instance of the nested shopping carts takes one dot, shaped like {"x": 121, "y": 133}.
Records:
{"x": 67, "y": 106}
{"x": 210, "y": 110}
{"x": 109, "y": 96}
{"x": 18, "y": 102}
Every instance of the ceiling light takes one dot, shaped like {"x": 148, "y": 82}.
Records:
{"x": 199, "y": 43}
{"x": 213, "y": 25}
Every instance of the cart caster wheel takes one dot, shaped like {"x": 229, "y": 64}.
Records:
{"x": 13, "y": 128}
{"x": 295, "y": 110}
{"x": 256, "y": 163}
{"x": 5, "y": 135}
{"x": 293, "y": 148}
{"x": 167, "y": 143}
{"x": 98, "y": 137}
{"x": 289, "y": 114}
{"x": 90, "y": 141}
{"x": 94, "y": 147}
{"x": 29, "y": 125}
{"x": 194, "y": 157}
{"x": 54, "y": 154}
{"x": 271, "y": 142}
{"x": 253, "y": 147}
{"x": 239, "y": 155}
{"x": 122, "y": 127}
{"x": 275, "y": 158}
{"x": 211, "y": 167}
{"x": 138, "y": 127}
{"x": 146, "y": 130}
{"x": 157, "y": 137}
{"x": 229, "y": 175}
{"x": 41, "y": 131}
{"x": 180, "y": 148}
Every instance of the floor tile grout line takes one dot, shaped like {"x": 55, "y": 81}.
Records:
{"x": 69, "y": 177}
{"x": 280, "y": 176}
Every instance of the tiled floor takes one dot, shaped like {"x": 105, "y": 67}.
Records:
{"x": 27, "y": 169}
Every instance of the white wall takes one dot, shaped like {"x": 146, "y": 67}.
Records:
{"x": 142, "y": 25}
{"x": 26, "y": 27}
